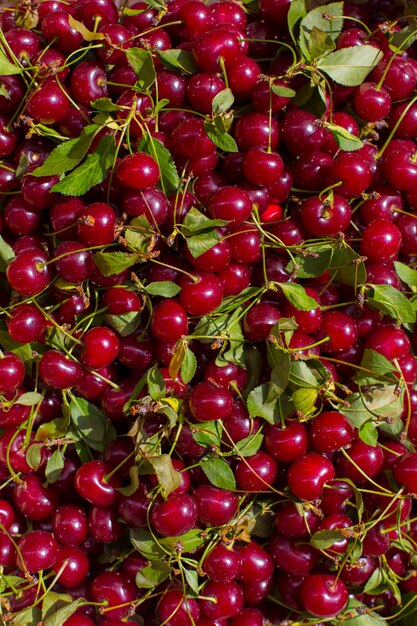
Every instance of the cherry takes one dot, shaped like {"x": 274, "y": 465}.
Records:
{"x": 323, "y": 595}
{"x": 73, "y": 262}
{"x": 116, "y": 591}
{"x": 120, "y": 300}
{"x": 230, "y": 204}
{"x": 76, "y": 566}
{"x": 301, "y": 132}
{"x": 38, "y": 550}
{"x": 96, "y": 224}
{"x": 117, "y": 40}
{"x": 215, "y": 507}
{"x": 92, "y": 485}
{"x": 228, "y": 600}
{"x": 389, "y": 341}
{"x": 58, "y": 370}
{"x": 399, "y": 77}
{"x": 169, "y": 320}
{"x": 381, "y": 240}
{"x": 138, "y": 171}
{"x": 340, "y": 329}
{"x": 202, "y": 296}
{"x": 292, "y": 556}
{"x": 260, "y": 320}
{"x": 291, "y": 523}
{"x": 222, "y": 564}
{"x": 151, "y": 203}
{"x": 308, "y": 474}
{"x": 48, "y": 104}
{"x": 173, "y": 608}
{"x": 26, "y": 324}
{"x": 133, "y": 509}
{"x": 103, "y": 525}
{"x": 12, "y": 372}
{"x": 255, "y": 563}
{"x": 234, "y": 279}
{"x": 243, "y": 75}
{"x": 256, "y": 130}
{"x": 400, "y": 170}
{"x": 213, "y": 44}
{"x": 363, "y": 462}
{"x": 208, "y": 402}
{"x": 88, "y": 83}
{"x": 405, "y": 471}
{"x": 257, "y": 472}
{"x": 70, "y": 525}
{"x": 6, "y": 514}
{"x": 34, "y": 500}
{"x": 202, "y": 87}
{"x": 371, "y": 103}
{"x": 330, "y": 431}
{"x": 360, "y": 572}
{"x": 100, "y": 348}
{"x": 261, "y": 167}
{"x": 176, "y": 516}
{"x": 326, "y": 217}
{"x": 28, "y": 273}
{"x": 248, "y": 617}
{"x": 288, "y": 443}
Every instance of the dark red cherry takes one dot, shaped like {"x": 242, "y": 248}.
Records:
{"x": 228, "y": 600}
{"x": 92, "y": 485}
{"x": 308, "y": 474}
{"x": 58, "y": 370}
{"x": 28, "y": 273}
{"x": 173, "y": 608}
{"x": 222, "y": 564}
{"x": 176, "y": 516}
{"x": 323, "y": 595}
{"x": 215, "y": 507}
{"x": 330, "y": 431}
{"x": 38, "y": 550}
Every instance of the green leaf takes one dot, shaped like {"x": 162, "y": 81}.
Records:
{"x": 374, "y": 582}
{"x": 368, "y": 432}
{"x": 207, "y": 433}
{"x": 346, "y": 266}
{"x": 380, "y": 369}
{"x": 22, "y": 350}
{"x": 191, "y": 577}
{"x": 178, "y": 60}
{"x": 170, "y": 180}
{"x": 6, "y": 255}
{"x": 91, "y": 423}
{"x": 315, "y": 263}
{"x": 250, "y": 445}
{"x": 184, "y": 543}
{"x": 30, "y": 398}
{"x": 164, "y": 288}
{"x": 296, "y": 13}
{"x": 105, "y": 105}
{"x": 54, "y": 466}
{"x": 188, "y": 366}
{"x": 92, "y": 172}
{"x": 344, "y": 139}
{"x": 68, "y": 154}
{"x": 6, "y": 67}
{"x": 319, "y": 43}
{"x": 199, "y": 244}
{"x": 168, "y": 477}
{"x": 258, "y": 406}
{"x": 406, "y": 273}
{"x": 305, "y": 401}
{"x": 32, "y": 616}
{"x": 301, "y": 375}
{"x": 111, "y": 263}
{"x": 219, "y": 473}
{"x": 156, "y": 384}
{"x": 144, "y": 543}
{"x": 34, "y": 455}
{"x": 222, "y": 101}
{"x": 323, "y": 539}
{"x": 222, "y": 140}
{"x": 55, "y": 429}
{"x": 376, "y": 401}
{"x": 153, "y": 575}
{"x": 350, "y": 66}
{"x": 141, "y": 62}
{"x": 365, "y": 616}
{"x": 298, "y": 297}
{"x": 284, "y": 92}
{"x": 392, "y": 302}
{"x": 404, "y": 38}
{"x": 195, "y": 222}
{"x": 126, "y": 323}
{"x": 327, "y": 19}
{"x": 59, "y": 616}
{"x": 86, "y": 34}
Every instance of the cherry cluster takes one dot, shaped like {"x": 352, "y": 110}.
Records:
{"x": 208, "y": 299}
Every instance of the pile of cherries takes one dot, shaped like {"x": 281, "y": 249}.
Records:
{"x": 207, "y": 402}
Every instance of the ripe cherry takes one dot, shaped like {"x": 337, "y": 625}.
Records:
{"x": 323, "y": 595}
{"x": 92, "y": 485}
{"x": 308, "y": 474}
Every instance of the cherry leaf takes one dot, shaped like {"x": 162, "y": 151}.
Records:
{"x": 284, "y": 92}
{"x": 87, "y": 35}
{"x": 168, "y": 477}
{"x": 178, "y": 60}
{"x": 222, "y": 101}
{"x": 368, "y": 432}
{"x": 163, "y": 288}
{"x": 298, "y": 297}
{"x": 153, "y": 575}
{"x": 187, "y": 543}
{"x": 219, "y": 473}
{"x": 296, "y": 13}
{"x": 406, "y": 273}
{"x": 141, "y": 62}
{"x": 6, "y": 67}
{"x": 126, "y": 323}
{"x": 29, "y": 398}
{"x": 54, "y": 466}
{"x": 305, "y": 401}
{"x": 344, "y": 139}
{"x": 188, "y": 366}
{"x": 323, "y": 539}
{"x": 249, "y": 445}
{"x": 156, "y": 384}
{"x": 385, "y": 401}
{"x": 34, "y": 456}
{"x": 92, "y": 172}
{"x": 91, "y": 423}
{"x": 258, "y": 406}
{"x": 111, "y": 263}
{"x": 6, "y": 254}
{"x": 350, "y": 66}
{"x": 59, "y": 617}
{"x": 221, "y": 139}
{"x": 379, "y": 369}
{"x": 144, "y": 543}
{"x": 365, "y": 616}
{"x": 68, "y": 154}
{"x": 392, "y": 302}
{"x": 207, "y": 433}
{"x": 170, "y": 180}
{"x": 327, "y": 19}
